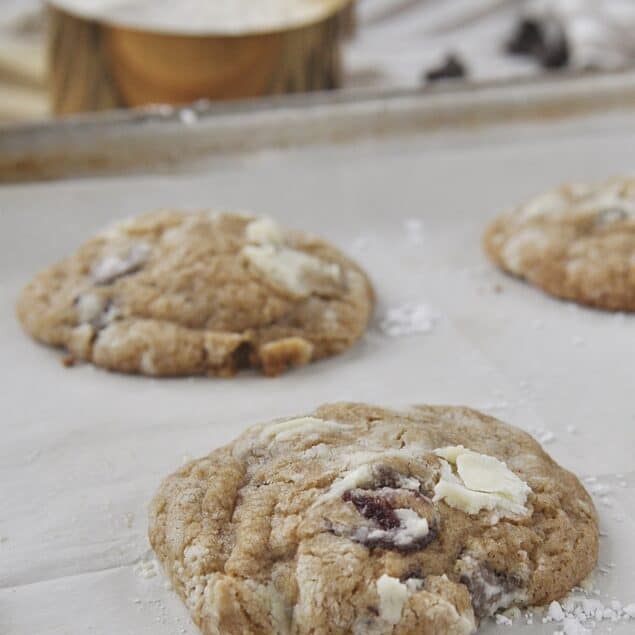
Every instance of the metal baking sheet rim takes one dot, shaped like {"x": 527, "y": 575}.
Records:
{"x": 156, "y": 138}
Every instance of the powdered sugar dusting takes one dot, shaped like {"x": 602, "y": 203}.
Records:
{"x": 576, "y": 614}
{"x": 188, "y": 116}
{"x": 414, "y": 231}
{"x": 147, "y": 568}
{"x": 408, "y": 319}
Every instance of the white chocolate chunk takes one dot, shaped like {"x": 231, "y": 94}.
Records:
{"x": 81, "y": 341}
{"x": 610, "y": 196}
{"x": 483, "y": 482}
{"x": 112, "y": 267}
{"x": 552, "y": 202}
{"x": 412, "y": 453}
{"x": 283, "y": 430}
{"x": 147, "y": 363}
{"x": 412, "y": 528}
{"x": 471, "y": 502}
{"x": 494, "y": 596}
{"x": 450, "y": 452}
{"x": 414, "y": 584}
{"x": 363, "y": 464}
{"x": 89, "y": 306}
{"x": 393, "y": 594}
{"x": 263, "y": 230}
{"x": 290, "y": 269}
{"x": 352, "y": 479}
{"x": 514, "y": 250}
{"x": 408, "y": 482}
{"x": 487, "y": 474}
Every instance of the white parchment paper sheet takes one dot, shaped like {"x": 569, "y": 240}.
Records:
{"x": 82, "y": 450}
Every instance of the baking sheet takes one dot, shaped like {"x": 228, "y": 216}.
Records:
{"x": 207, "y": 135}
{"x": 82, "y": 450}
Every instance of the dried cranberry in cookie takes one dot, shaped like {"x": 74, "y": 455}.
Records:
{"x": 398, "y": 521}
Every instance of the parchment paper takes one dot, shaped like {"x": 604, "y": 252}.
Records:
{"x": 82, "y": 450}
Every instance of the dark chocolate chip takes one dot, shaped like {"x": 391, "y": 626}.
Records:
{"x": 481, "y": 582}
{"x": 387, "y": 476}
{"x": 555, "y": 49}
{"x": 380, "y": 509}
{"x": 241, "y": 357}
{"x": 389, "y": 544}
{"x": 451, "y": 68}
{"x": 415, "y": 572}
{"x": 526, "y": 38}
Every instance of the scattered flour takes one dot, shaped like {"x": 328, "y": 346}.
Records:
{"x": 408, "y": 319}
{"x": 577, "y": 614}
{"x": 362, "y": 243}
{"x": 546, "y": 436}
{"x": 414, "y": 231}
{"x": 188, "y": 116}
{"x": 147, "y": 568}
{"x": 503, "y": 620}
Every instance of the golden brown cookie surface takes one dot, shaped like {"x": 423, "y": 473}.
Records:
{"x": 172, "y": 293}
{"x": 358, "y": 519}
{"x": 575, "y": 242}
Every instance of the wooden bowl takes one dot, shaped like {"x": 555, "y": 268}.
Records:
{"x": 96, "y": 65}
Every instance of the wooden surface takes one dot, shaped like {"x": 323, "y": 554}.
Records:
{"x": 79, "y": 74}
{"x": 96, "y": 67}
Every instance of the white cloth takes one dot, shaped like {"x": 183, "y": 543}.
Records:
{"x": 398, "y": 39}
{"x": 599, "y": 33}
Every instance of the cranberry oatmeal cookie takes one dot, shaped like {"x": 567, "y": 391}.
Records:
{"x": 575, "y": 242}
{"x": 356, "y": 519}
{"x": 172, "y": 293}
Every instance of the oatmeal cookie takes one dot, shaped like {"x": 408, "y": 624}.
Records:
{"x": 357, "y": 519}
{"x": 173, "y": 293}
{"x": 575, "y": 242}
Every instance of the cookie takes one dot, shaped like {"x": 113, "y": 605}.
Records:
{"x": 576, "y": 242}
{"x": 173, "y": 293}
{"x": 357, "y": 519}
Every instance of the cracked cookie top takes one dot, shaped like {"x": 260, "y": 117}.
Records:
{"x": 357, "y": 519}
{"x": 575, "y": 242}
{"x": 173, "y": 293}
